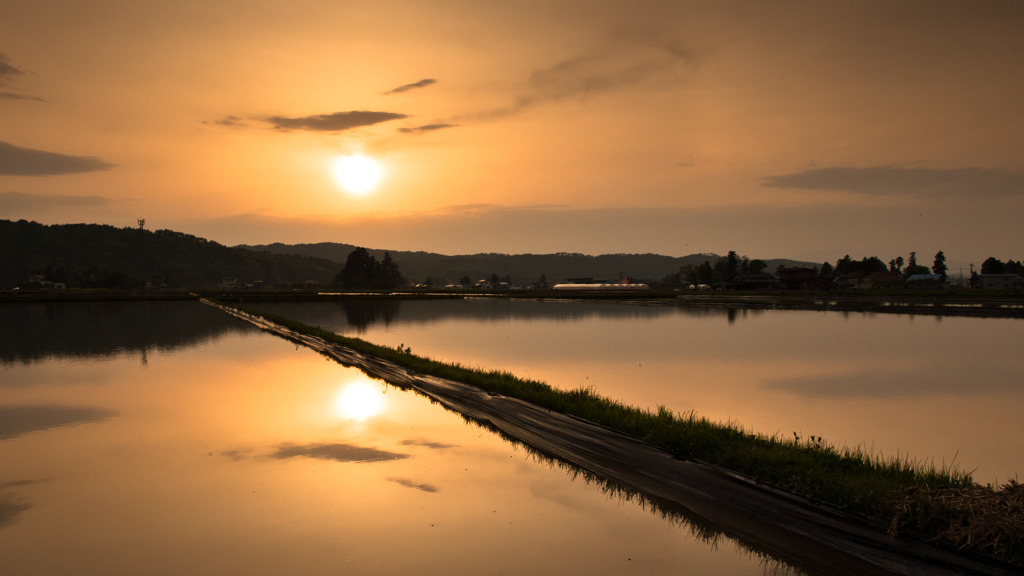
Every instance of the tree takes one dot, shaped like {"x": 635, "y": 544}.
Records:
{"x": 758, "y": 266}
{"x": 939, "y": 266}
{"x": 993, "y": 266}
{"x": 389, "y": 276}
{"x": 359, "y": 271}
{"x": 826, "y": 270}
{"x": 913, "y": 267}
{"x": 362, "y": 272}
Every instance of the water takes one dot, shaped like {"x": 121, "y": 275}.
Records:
{"x": 170, "y": 438}
{"x": 942, "y": 390}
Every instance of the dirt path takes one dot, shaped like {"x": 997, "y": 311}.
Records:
{"x": 814, "y": 538}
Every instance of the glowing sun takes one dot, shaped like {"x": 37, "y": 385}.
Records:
{"x": 359, "y": 400}
{"x": 357, "y": 174}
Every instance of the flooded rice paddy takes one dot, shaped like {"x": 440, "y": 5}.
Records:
{"x": 170, "y": 438}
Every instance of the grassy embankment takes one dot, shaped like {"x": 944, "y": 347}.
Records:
{"x": 946, "y": 505}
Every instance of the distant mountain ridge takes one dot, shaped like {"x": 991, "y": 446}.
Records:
{"x": 522, "y": 269}
{"x": 102, "y": 256}
{"x": 97, "y": 255}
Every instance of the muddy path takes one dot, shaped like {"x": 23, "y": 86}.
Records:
{"x": 811, "y": 537}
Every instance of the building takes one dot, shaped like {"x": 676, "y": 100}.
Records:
{"x": 1002, "y": 281}
{"x": 759, "y": 281}
{"x": 803, "y": 279}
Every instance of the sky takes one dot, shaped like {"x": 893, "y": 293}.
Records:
{"x": 779, "y": 129}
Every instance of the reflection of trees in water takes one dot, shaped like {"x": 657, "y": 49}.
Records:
{"x": 35, "y": 331}
{"x": 359, "y": 313}
{"x": 363, "y": 312}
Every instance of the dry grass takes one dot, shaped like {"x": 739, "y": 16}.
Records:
{"x": 977, "y": 518}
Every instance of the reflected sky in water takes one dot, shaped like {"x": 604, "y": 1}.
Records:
{"x": 237, "y": 452}
{"x": 945, "y": 390}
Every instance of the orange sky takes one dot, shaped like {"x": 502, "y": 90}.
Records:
{"x": 777, "y": 129}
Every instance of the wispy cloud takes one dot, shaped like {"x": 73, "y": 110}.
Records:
{"x": 13, "y": 202}
{"x": 13, "y": 96}
{"x": 892, "y": 180}
{"x": 407, "y": 87}
{"x": 422, "y": 487}
{"x": 622, "y": 64}
{"x": 337, "y": 122}
{"x": 18, "y": 420}
{"x": 337, "y": 452}
{"x": 18, "y": 161}
{"x": 8, "y": 70}
{"x": 230, "y": 120}
{"x": 426, "y": 128}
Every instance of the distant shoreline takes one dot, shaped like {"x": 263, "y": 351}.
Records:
{"x": 961, "y": 303}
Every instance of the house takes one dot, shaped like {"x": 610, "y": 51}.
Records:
{"x": 760, "y": 281}
{"x": 1002, "y": 281}
{"x": 803, "y": 279}
{"x": 924, "y": 280}
{"x": 889, "y": 279}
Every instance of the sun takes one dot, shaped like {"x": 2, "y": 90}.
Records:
{"x": 359, "y": 400}
{"x": 357, "y": 174}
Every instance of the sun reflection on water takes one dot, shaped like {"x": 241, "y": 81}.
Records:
{"x": 360, "y": 400}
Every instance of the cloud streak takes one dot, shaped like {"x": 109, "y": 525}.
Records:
{"x": 891, "y": 180}
{"x": 18, "y": 420}
{"x": 622, "y": 65}
{"x": 336, "y": 452}
{"x": 11, "y": 202}
{"x": 13, "y": 96}
{"x": 337, "y": 122}
{"x": 426, "y": 128}
{"x": 407, "y": 87}
{"x": 8, "y": 70}
{"x": 18, "y": 161}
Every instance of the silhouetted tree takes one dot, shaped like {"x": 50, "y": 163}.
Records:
{"x": 913, "y": 267}
{"x": 993, "y": 266}
{"x": 939, "y": 266}
{"x": 388, "y": 275}
{"x": 359, "y": 271}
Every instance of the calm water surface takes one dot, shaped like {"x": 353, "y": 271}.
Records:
{"x": 942, "y": 390}
{"x": 170, "y": 438}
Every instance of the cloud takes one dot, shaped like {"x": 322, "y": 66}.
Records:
{"x": 11, "y": 202}
{"x": 229, "y": 120}
{"x": 338, "y": 452}
{"x": 17, "y": 161}
{"x": 13, "y": 96}
{"x": 10, "y": 509}
{"x": 889, "y": 180}
{"x": 336, "y": 122}
{"x": 428, "y": 444}
{"x": 624, "y": 63}
{"x": 426, "y": 128}
{"x": 8, "y": 70}
{"x": 422, "y": 487}
{"x": 421, "y": 84}
{"x": 18, "y": 420}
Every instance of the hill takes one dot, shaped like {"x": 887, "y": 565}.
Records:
{"x": 520, "y": 269}
{"x": 94, "y": 255}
